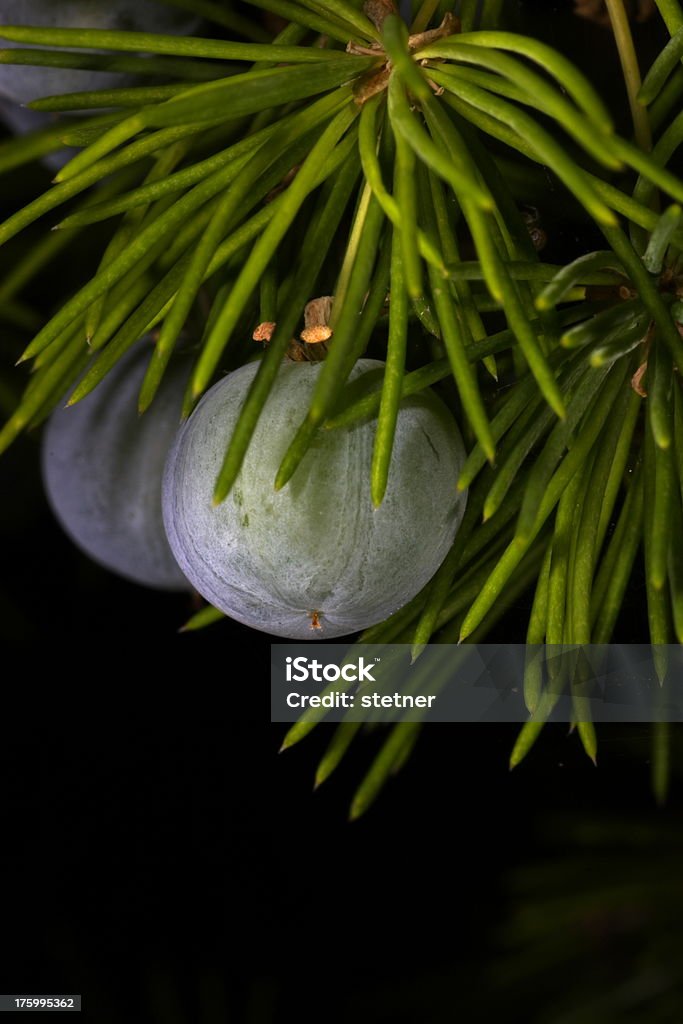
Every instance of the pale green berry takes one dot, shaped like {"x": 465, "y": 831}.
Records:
{"x": 103, "y": 466}
{"x": 315, "y": 559}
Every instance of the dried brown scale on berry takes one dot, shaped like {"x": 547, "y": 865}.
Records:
{"x": 312, "y": 347}
{"x": 300, "y": 352}
{"x": 316, "y": 335}
{"x": 317, "y": 331}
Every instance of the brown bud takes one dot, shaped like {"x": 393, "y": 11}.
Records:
{"x": 315, "y": 335}
{"x": 264, "y": 332}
